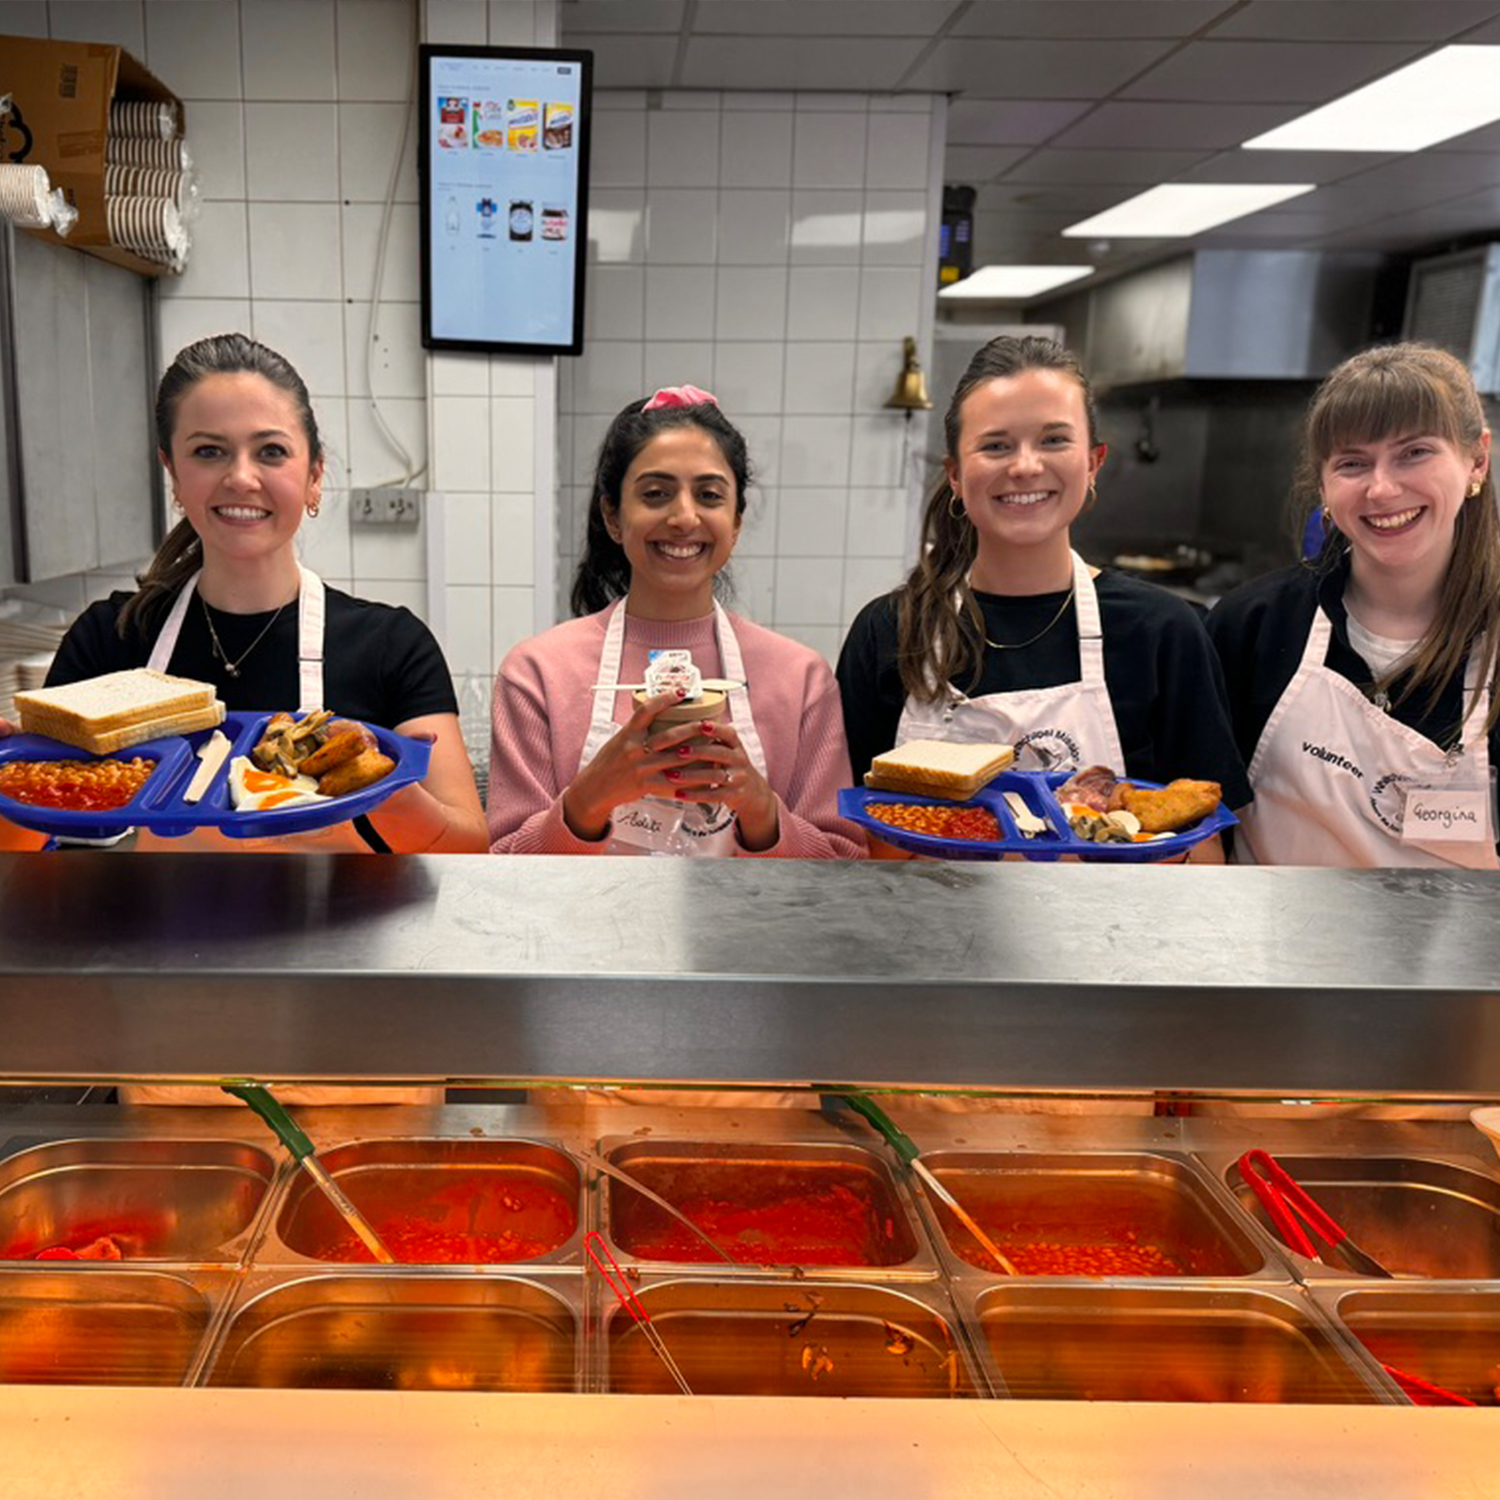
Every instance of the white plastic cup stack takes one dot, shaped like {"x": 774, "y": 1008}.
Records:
{"x": 146, "y": 182}
{"x": 151, "y": 227}
{"x": 145, "y": 151}
{"x": 147, "y": 119}
{"x": 25, "y": 195}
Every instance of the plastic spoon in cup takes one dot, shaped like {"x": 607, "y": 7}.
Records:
{"x": 906, "y": 1148}
{"x": 292, "y": 1136}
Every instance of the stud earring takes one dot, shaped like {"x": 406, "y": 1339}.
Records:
{"x": 1475, "y": 488}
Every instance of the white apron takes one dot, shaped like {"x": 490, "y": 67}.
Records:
{"x": 1062, "y": 728}
{"x": 340, "y": 839}
{"x": 654, "y": 825}
{"x": 1331, "y": 773}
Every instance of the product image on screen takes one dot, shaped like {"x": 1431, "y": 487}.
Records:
{"x": 504, "y": 198}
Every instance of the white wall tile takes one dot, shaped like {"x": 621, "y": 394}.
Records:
{"x": 880, "y": 440}
{"x": 24, "y": 18}
{"x": 375, "y": 38}
{"x": 512, "y": 522}
{"x": 899, "y": 150}
{"x": 828, "y": 227}
{"x": 699, "y": 99}
{"x": 332, "y": 413}
{"x": 368, "y": 136}
{"x": 758, "y": 526}
{"x": 901, "y": 104}
{"x": 617, "y": 225}
{"x": 406, "y": 593}
{"x": 682, "y": 148}
{"x": 398, "y": 366}
{"x": 877, "y": 366}
{"x": 310, "y": 334}
{"x": 833, "y": 101}
{"x": 389, "y": 554}
{"x": 822, "y": 303}
{"x": 748, "y": 377}
{"x": 617, "y": 152}
{"x": 464, "y": 21}
{"x": 372, "y": 460}
{"x": 679, "y": 302}
{"x": 402, "y": 281}
{"x": 895, "y": 228}
{"x": 824, "y": 639}
{"x": 512, "y": 441}
{"x": 881, "y": 523}
{"x": 185, "y": 320}
{"x": 756, "y": 151}
{"x": 461, "y": 440}
{"x": 763, "y": 440}
{"x": 754, "y": 226}
{"x": 467, "y": 631}
{"x": 676, "y": 362}
{"x": 766, "y": 100}
{"x": 219, "y": 265}
{"x": 890, "y": 302}
{"x": 751, "y": 302}
{"x": 512, "y": 22}
{"x": 820, "y": 378}
{"x": 294, "y": 250}
{"x": 109, "y": 22}
{"x": 512, "y": 611}
{"x": 620, "y": 101}
{"x": 521, "y": 374}
{"x": 681, "y": 226}
{"x": 288, "y": 50}
{"x": 588, "y": 433}
{"x": 195, "y": 49}
{"x": 291, "y": 152}
{"x": 607, "y": 376}
{"x": 867, "y": 578}
{"x": 216, "y": 132}
{"x": 828, "y": 151}
{"x": 451, "y": 373}
{"x": 325, "y": 543}
{"x": 615, "y": 302}
{"x": 814, "y": 452}
{"x": 808, "y": 591}
{"x": 466, "y": 539}
{"x": 811, "y": 522}
{"x": 754, "y": 581}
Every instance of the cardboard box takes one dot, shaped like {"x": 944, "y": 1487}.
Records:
{"x": 61, "y": 95}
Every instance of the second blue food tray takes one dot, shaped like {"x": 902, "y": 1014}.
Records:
{"x": 1037, "y": 789}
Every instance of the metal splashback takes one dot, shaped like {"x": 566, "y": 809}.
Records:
{"x": 1000, "y": 976}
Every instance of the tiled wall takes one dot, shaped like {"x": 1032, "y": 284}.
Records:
{"x": 294, "y": 111}
{"x": 775, "y": 249}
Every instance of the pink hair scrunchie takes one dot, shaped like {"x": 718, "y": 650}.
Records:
{"x": 680, "y": 395}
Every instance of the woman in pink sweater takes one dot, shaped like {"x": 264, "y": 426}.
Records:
{"x": 574, "y": 770}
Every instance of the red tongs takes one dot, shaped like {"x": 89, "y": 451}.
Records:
{"x": 1284, "y": 1199}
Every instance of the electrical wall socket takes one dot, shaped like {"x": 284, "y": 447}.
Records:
{"x": 385, "y": 507}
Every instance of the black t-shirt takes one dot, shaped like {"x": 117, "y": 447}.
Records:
{"x": 1164, "y": 683}
{"x": 380, "y": 663}
{"x": 1260, "y": 632}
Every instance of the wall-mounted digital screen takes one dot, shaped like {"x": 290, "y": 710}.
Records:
{"x": 505, "y": 161}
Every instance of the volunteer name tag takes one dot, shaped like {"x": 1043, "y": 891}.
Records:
{"x": 1446, "y": 817}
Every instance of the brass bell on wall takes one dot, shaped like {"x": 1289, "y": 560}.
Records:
{"x": 911, "y": 385}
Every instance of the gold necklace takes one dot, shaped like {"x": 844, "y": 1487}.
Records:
{"x": 232, "y": 668}
{"x": 1022, "y": 645}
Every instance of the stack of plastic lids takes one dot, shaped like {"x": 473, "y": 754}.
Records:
{"x": 150, "y": 188}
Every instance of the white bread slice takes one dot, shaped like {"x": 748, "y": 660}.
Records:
{"x": 938, "y": 768}
{"x": 96, "y": 713}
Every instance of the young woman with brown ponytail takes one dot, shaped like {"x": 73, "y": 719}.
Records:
{"x": 1003, "y": 633}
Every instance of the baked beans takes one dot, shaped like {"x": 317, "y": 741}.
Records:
{"x": 938, "y": 822}
{"x": 75, "y": 785}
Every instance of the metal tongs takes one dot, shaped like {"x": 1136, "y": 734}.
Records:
{"x": 1285, "y": 1199}
{"x": 598, "y": 1252}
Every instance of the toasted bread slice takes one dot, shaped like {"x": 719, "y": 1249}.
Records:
{"x": 938, "y": 768}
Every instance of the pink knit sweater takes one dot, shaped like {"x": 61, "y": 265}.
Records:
{"x": 540, "y": 720}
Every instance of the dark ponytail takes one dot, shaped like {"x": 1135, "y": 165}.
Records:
{"x": 181, "y": 554}
{"x": 603, "y": 573}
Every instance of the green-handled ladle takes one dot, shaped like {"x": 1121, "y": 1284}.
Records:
{"x": 906, "y": 1148}
{"x": 294, "y": 1138}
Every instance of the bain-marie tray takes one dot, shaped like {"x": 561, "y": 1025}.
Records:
{"x": 158, "y": 805}
{"x": 1036, "y": 789}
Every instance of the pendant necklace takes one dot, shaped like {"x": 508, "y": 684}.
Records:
{"x": 1022, "y": 645}
{"x": 232, "y": 668}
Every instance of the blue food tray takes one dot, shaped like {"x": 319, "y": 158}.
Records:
{"x": 159, "y": 807}
{"x": 1037, "y": 791}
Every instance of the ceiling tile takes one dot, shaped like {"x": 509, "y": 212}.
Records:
{"x": 1128, "y": 124}
{"x": 797, "y": 63}
{"x": 1487, "y": 33}
{"x": 1283, "y": 166}
{"x": 1290, "y": 231}
{"x": 629, "y": 62}
{"x": 1268, "y": 72}
{"x": 847, "y": 18}
{"x": 1486, "y": 138}
{"x": 1002, "y": 122}
{"x": 1107, "y": 167}
{"x": 1093, "y": 18}
{"x": 1338, "y": 20}
{"x": 580, "y": 16}
{"x": 1034, "y": 70}
{"x": 979, "y": 163}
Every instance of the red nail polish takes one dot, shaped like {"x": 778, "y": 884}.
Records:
{"x": 674, "y": 775}
{"x": 681, "y": 795}
{"x": 682, "y": 692}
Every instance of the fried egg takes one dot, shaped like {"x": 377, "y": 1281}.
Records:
{"x": 254, "y": 790}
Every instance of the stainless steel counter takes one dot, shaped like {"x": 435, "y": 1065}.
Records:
{"x": 1015, "y": 975}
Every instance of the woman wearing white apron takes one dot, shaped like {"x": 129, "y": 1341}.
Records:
{"x": 1003, "y": 633}
{"x": 1363, "y": 687}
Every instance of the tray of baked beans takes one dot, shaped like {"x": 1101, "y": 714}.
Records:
{"x": 254, "y": 775}
{"x": 970, "y": 802}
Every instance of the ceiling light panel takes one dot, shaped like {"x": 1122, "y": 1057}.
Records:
{"x": 1174, "y": 209}
{"x": 1448, "y": 93}
{"x": 1011, "y": 283}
